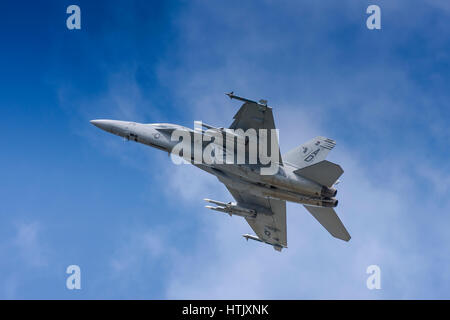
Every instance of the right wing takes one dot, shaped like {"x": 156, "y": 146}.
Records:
{"x": 269, "y": 228}
{"x": 328, "y": 218}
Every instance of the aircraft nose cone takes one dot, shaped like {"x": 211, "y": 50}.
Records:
{"x": 117, "y": 127}
{"x": 96, "y": 123}
{"x": 102, "y": 124}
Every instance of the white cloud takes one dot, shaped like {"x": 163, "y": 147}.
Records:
{"x": 28, "y": 243}
{"x": 25, "y": 251}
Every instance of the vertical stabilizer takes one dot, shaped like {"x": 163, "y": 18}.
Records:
{"x": 309, "y": 153}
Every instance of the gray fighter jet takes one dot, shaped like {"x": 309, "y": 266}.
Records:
{"x": 302, "y": 174}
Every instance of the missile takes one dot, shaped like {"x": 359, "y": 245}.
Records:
{"x": 234, "y": 207}
{"x": 219, "y": 203}
{"x": 276, "y": 246}
{"x": 231, "y": 208}
{"x": 220, "y": 209}
{"x": 261, "y": 102}
{"x": 249, "y": 236}
{"x": 233, "y": 96}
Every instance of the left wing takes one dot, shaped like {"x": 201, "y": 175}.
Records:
{"x": 256, "y": 115}
{"x": 253, "y": 115}
{"x": 270, "y": 226}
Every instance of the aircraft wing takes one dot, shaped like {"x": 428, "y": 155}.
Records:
{"x": 269, "y": 228}
{"x": 254, "y": 115}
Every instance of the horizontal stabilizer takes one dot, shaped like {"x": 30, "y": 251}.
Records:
{"x": 324, "y": 172}
{"x": 328, "y": 218}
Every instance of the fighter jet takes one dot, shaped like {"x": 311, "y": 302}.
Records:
{"x": 302, "y": 175}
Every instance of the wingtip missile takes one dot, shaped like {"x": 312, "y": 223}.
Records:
{"x": 276, "y": 246}
{"x": 249, "y": 236}
{"x": 233, "y": 96}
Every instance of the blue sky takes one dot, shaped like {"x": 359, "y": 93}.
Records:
{"x": 136, "y": 224}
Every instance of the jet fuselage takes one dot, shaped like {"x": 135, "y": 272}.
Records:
{"x": 283, "y": 185}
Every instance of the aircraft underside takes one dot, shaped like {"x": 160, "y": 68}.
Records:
{"x": 262, "y": 188}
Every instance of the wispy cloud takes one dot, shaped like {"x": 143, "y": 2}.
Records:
{"x": 28, "y": 243}
{"x": 27, "y": 252}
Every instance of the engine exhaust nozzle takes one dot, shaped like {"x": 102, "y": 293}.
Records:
{"x": 331, "y": 203}
{"x": 328, "y": 192}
